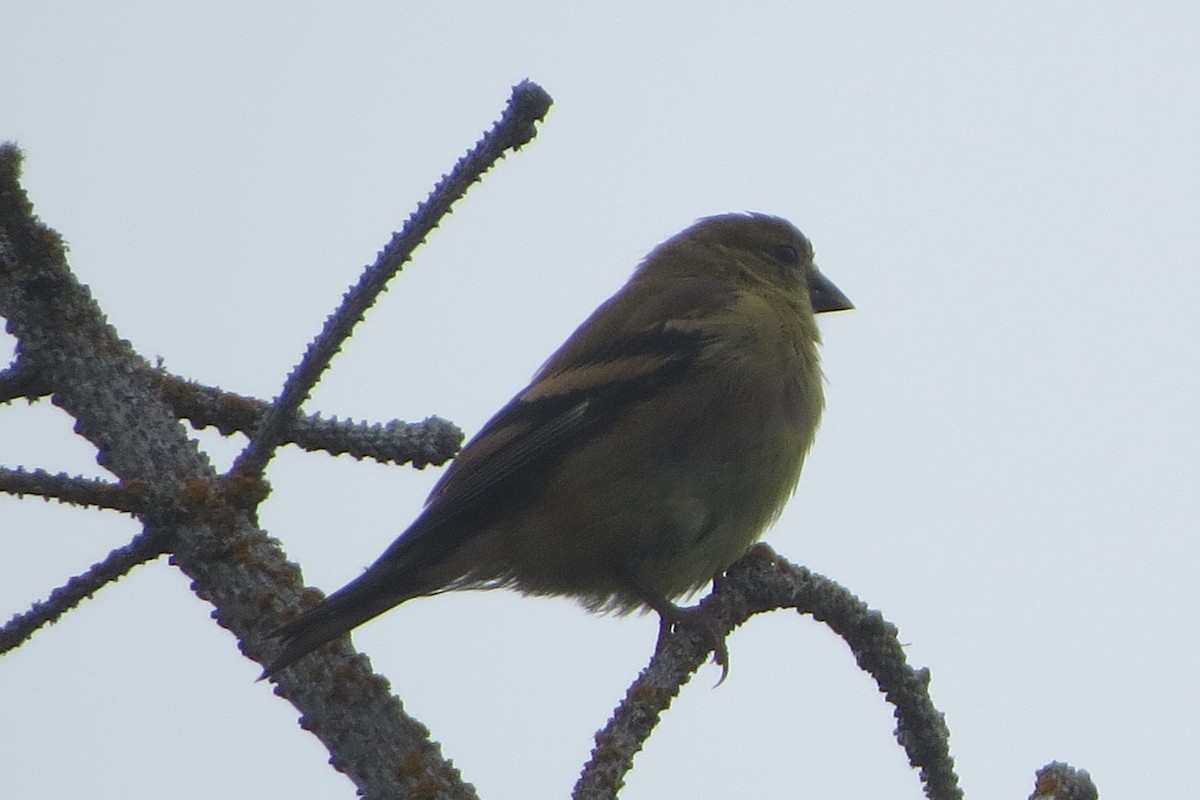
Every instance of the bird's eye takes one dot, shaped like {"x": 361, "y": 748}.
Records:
{"x": 787, "y": 254}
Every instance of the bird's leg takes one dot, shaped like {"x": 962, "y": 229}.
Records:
{"x": 671, "y": 618}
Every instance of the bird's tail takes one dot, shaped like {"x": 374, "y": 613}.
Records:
{"x": 373, "y": 593}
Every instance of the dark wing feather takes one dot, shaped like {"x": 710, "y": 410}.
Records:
{"x": 509, "y": 459}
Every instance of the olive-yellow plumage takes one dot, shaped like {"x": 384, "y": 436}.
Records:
{"x": 646, "y": 455}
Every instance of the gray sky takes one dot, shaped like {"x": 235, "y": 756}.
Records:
{"x": 1008, "y": 463}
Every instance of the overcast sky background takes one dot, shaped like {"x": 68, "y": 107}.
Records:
{"x": 1007, "y": 467}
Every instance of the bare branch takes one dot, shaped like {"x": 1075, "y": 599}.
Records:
{"x": 112, "y": 394}
{"x": 116, "y": 399}
{"x": 77, "y": 490}
{"x": 762, "y": 581}
{"x": 144, "y": 547}
{"x": 22, "y": 380}
{"x": 341, "y": 700}
{"x": 1059, "y": 781}
{"x": 527, "y": 105}
{"x": 431, "y": 441}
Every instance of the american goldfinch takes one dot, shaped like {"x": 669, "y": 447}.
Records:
{"x": 646, "y": 455}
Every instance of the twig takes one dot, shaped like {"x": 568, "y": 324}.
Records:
{"x": 527, "y": 105}
{"x": 431, "y": 441}
{"x": 22, "y": 379}
{"x": 109, "y": 390}
{"x": 762, "y": 581}
{"x": 144, "y": 547}
{"x": 1059, "y": 781}
{"x": 78, "y": 491}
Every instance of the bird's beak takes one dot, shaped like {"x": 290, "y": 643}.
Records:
{"x": 825, "y": 296}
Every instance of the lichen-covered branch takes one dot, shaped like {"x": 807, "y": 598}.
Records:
{"x": 114, "y": 396}
{"x": 111, "y": 392}
{"x": 528, "y": 105}
{"x": 73, "y": 490}
{"x": 144, "y": 547}
{"x": 1059, "y": 781}
{"x": 431, "y": 441}
{"x": 762, "y": 581}
{"x": 22, "y": 381}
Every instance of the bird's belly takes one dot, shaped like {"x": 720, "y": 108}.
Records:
{"x": 669, "y": 518}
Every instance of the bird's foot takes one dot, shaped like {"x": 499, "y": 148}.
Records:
{"x": 700, "y": 623}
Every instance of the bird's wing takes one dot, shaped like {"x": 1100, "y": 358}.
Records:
{"x": 598, "y": 376}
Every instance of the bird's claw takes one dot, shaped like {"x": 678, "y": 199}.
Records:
{"x": 701, "y": 624}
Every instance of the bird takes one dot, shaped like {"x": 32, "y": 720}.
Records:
{"x": 645, "y": 456}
